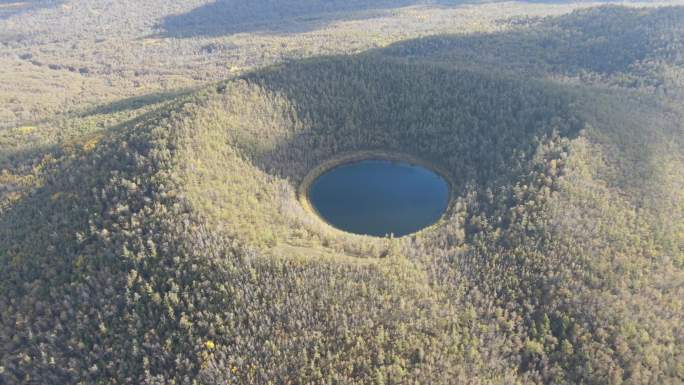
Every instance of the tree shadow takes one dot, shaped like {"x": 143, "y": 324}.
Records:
{"x": 137, "y": 102}
{"x": 226, "y": 17}
{"x": 9, "y": 8}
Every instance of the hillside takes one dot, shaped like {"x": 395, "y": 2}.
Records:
{"x": 160, "y": 240}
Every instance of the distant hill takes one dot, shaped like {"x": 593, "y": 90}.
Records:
{"x": 606, "y": 45}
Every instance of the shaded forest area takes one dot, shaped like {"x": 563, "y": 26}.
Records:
{"x": 230, "y": 16}
{"x": 614, "y": 46}
{"x": 10, "y": 8}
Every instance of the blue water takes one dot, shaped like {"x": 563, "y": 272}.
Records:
{"x": 379, "y": 197}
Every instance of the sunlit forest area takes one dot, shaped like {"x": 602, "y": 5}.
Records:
{"x": 152, "y": 156}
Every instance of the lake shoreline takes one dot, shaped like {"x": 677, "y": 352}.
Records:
{"x": 303, "y": 188}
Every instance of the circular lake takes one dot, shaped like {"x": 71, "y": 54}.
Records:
{"x": 379, "y": 197}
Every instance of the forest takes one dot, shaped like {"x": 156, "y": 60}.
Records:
{"x": 158, "y": 238}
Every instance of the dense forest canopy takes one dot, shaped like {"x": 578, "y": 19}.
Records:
{"x": 159, "y": 239}
{"x": 607, "y": 45}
